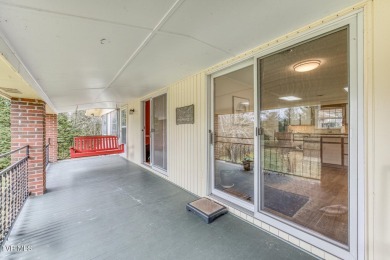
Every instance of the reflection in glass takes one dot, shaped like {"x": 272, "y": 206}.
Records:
{"x": 233, "y": 131}
{"x": 123, "y": 126}
{"x": 114, "y": 122}
{"x": 104, "y": 124}
{"x": 304, "y": 149}
{"x": 160, "y": 131}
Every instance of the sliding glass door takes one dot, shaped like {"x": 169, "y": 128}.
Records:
{"x": 159, "y": 132}
{"x": 123, "y": 127}
{"x": 123, "y": 131}
{"x": 233, "y": 145}
{"x": 155, "y": 132}
{"x": 288, "y": 149}
{"x": 305, "y": 139}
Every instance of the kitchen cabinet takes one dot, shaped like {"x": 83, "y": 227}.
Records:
{"x": 345, "y": 151}
{"x": 334, "y": 150}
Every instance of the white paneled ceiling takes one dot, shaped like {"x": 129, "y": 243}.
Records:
{"x": 99, "y": 54}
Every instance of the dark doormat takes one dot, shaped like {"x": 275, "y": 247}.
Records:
{"x": 238, "y": 193}
{"x": 284, "y": 202}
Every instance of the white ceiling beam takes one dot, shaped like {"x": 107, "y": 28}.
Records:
{"x": 196, "y": 39}
{"x": 74, "y": 16}
{"x": 144, "y": 43}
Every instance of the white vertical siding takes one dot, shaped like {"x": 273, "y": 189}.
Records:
{"x": 187, "y": 147}
{"x": 378, "y": 143}
{"x": 134, "y": 134}
{"x": 187, "y": 144}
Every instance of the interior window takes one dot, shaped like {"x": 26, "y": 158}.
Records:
{"x": 330, "y": 118}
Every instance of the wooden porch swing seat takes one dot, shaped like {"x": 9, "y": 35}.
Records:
{"x": 84, "y": 146}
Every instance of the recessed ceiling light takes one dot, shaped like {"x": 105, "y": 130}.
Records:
{"x": 290, "y": 98}
{"x": 306, "y": 65}
{"x": 346, "y": 89}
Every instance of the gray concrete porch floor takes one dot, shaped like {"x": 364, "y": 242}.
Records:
{"x": 109, "y": 208}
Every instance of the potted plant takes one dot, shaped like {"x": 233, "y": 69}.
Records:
{"x": 246, "y": 162}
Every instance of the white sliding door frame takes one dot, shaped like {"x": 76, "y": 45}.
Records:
{"x": 219, "y": 193}
{"x": 354, "y": 22}
{"x": 151, "y": 135}
{"x": 124, "y": 108}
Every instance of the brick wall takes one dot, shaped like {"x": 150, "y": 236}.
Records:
{"x": 28, "y": 128}
{"x": 51, "y": 135}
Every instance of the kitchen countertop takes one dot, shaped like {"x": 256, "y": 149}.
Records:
{"x": 321, "y": 135}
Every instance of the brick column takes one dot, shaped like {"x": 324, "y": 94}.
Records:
{"x": 51, "y": 136}
{"x": 28, "y": 127}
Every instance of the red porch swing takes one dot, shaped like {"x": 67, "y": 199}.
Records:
{"x": 85, "y": 146}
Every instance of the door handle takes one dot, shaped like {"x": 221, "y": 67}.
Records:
{"x": 211, "y": 137}
{"x": 259, "y": 131}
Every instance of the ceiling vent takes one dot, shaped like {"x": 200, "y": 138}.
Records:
{"x": 11, "y": 90}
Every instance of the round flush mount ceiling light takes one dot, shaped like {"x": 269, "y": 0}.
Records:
{"x": 306, "y": 65}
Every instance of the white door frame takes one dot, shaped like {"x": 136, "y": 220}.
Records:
{"x": 125, "y": 108}
{"x": 156, "y": 167}
{"x": 356, "y": 143}
{"x": 151, "y": 138}
{"x": 219, "y": 193}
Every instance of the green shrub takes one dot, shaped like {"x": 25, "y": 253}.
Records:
{"x": 5, "y": 131}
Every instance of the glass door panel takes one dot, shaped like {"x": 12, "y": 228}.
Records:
{"x": 159, "y": 131}
{"x": 304, "y": 146}
{"x": 123, "y": 125}
{"x": 123, "y": 128}
{"x": 233, "y": 134}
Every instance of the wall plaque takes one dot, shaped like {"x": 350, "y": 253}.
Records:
{"x": 185, "y": 115}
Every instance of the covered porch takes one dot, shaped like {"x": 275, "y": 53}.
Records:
{"x": 107, "y": 207}
{"x": 276, "y": 109}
